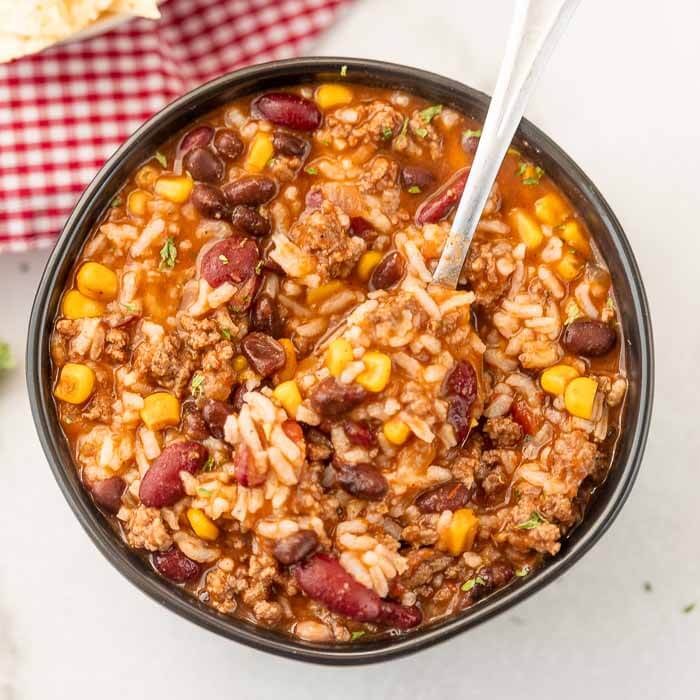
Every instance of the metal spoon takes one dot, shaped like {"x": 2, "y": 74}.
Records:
{"x": 536, "y": 27}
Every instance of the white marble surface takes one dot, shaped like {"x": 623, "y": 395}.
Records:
{"x": 621, "y": 96}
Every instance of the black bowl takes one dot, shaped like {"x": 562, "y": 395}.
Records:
{"x": 611, "y": 240}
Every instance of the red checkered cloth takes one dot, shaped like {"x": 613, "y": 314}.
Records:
{"x": 64, "y": 111}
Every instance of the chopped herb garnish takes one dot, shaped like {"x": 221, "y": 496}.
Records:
{"x": 259, "y": 266}
{"x": 422, "y": 132}
{"x": 521, "y": 169}
{"x": 326, "y": 142}
{"x": 572, "y": 312}
{"x": 535, "y": 520}
{"x": 647, "y": 586}
{"x": 472, "y": 134}
{"x": 6, "y": 359}
{"x": 311, "y": 170}
{"x": 270, "y": 163}
{"x": 168, "y": 254}
{"x": 387, "y": 133}
{"x": 202, "y": 491}
{"x": 131, "y": 308}
{"x": 404, "y": 127}
{"x": 476, "y": 581}
{"x": 522, "y": 572}
{"x": 689, "y": 608}
{"x": 116, "y": 202}
{"x": 225, "y": 333}
{"x": 223, "y": 259}
{"x": 414, "y": 189}
{"x": 343, "y": 71}
{"x": 610, "y": 303}
{"x": 357, "y": 634}
{"x": 209, "y": 464}
{"x": 161, "y": 159}
{"x": 513, "y": 151}
{"x": 196, "y": 384}
{"x": 428, "y": 113}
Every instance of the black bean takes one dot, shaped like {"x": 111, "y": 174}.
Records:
{"x": 264, "y": 353}
{"x": 389, "y": 272}
{"x": 589, "y": 338}
{"x": 331, "y": 398}
{"x": 250, "y": 220}
{"x": 362, "y": 481}
{"x": 228, "y": 144}
{"x": 203, "y": 165}
{"x": 293, "y": 548}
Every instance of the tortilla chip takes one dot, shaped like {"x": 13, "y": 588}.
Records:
{"x": 140, "y": 8}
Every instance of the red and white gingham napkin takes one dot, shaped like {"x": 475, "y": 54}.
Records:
{"x": 64, "y": 111}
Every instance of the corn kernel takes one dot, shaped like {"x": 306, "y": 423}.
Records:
{"x": 287, "y": 393}
{"x": 570, "y": 265}
{"x": 325, "y": 291}
{"x": 160, "y": 410}
{"x": 461, "y": 533}
{"x": 261, "y": 150}
{"x": 579, "y": 397}
{"x": 338, "y": 356}
{"x": 202, "y": 525}
{"x": 77, "y": 305}
{"x": 137, "y": 203}
{"x": 571, "y": 233}
{"x": 554, "y": 379}
{"x": 146, "y": 176}
{"x": 551, "y": 209}
{"x": 97, "y": 282}
{"x": 240, "y": 363}
{"x": 396, "y": 431}
{"x": 290, "y": 364}
{"x": 527, "y": 228}
{"x": 377, "y": 371}
{"x": 174, "y": 188}
{"x": 75, "y": 383}
{"x": 333, "y": 95}
{"x": 367, "y": 263}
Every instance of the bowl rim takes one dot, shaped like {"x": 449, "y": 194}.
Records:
{"x": 233, "y": 628}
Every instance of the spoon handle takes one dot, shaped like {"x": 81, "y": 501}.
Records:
{"x": 536, "y": 27}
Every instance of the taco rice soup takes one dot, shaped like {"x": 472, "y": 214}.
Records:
{"x": 271, "y": 401}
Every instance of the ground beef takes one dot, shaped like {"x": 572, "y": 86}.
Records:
{"x": 504, "y": 432}
{"x": 116, "y": 345}
{"x": 464, "y": 462}
{"x": 219, "y": 374}
{"x": 145, "y": 529}
{"x": 419, "y": 139}
{"x": 375, "y": 124}
{"x": 482, "y": 274}
{"x": 543, "y": 537}
{"x": 220, "y": 587}
{"x": 99, "y": 408}
{"x": 325, "y": 234}
{"x": 495, "y": 470}
{"x": 423, "y": 532}
{"x": 573, "y": 455}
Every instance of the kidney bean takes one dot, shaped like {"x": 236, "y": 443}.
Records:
{"x": 293, "y": 548}
{"x": 252, "y": 189}
{"x": 589, "y": 338}
{"x": 318, "y": 447}
{"x": 230, "y": 260}
{"x": 362, "y": 481}
{"x": 264, "y": 353}
{"x": 250, "y": 220}
{"x": 461, "y": 380}
{"x": 359, "y": 226}
{"x": 174, "y": 565}
{"x": 389, "y": 272}
{"x": 264, "y": 316}
{"x": 451, "y": 495}
{"x": 415, "y": 176}
{"x": 493, "y": 577}
{"x": 314, "y": 198}
{"x": 215, "y": 414}
{"x": 161, "y": 485}
{"x": 524, "y": 417}
{"x": 458, "y": 416}
{"x": 403, "y": 617}
{"x": 107, "y": 493}
{"x": 199, "y": 137}
{"x": 237, "y": 397}
{"x": 243, "y": 298}
{"x": 209, "y": 200}
{"x": 469, "y": 143}
{"x": 193, "y": 425}
{"x": 359, "y": 433}
{"x": 290, "y": 145}
{"x": 228, "y": 144}
{"x": 331, "y": 398}
{"x": 322, "y": 578}
{"x": 203, "y": 165}
{"x": 288, "y": 110}
{"x": 439, "y": 204}
{"x": 245, "y": 469}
